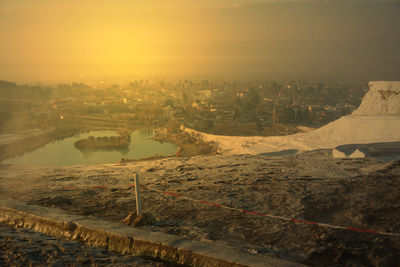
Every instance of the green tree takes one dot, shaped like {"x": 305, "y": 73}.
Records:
{"x": 168, "y": 102}
{"x": 185, "y": 98}
{"x": 208, "y": 124}
{"x": 259, "y": 126}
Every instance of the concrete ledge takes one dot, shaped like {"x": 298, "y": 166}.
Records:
{"x": 124, "y": 239}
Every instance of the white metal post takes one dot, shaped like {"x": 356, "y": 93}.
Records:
{"x": 138, "y": 200}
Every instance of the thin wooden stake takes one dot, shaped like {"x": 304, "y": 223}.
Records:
{"x": 138, "y": 199}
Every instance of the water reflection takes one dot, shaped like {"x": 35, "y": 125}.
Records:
{"x": 64, "y": 152}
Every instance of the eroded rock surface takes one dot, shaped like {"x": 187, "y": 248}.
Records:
{"x": 22, "y": 247}
{"x": 358, "y": 193}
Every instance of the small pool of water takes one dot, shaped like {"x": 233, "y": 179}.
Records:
{"x": 64, "y": 152}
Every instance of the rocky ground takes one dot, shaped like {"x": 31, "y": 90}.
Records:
{"x": 358, "y": 193}
{"x": 22, "y": 247}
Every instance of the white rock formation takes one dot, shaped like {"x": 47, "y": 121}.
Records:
{"x": 383, "y": 98}
{"x": 377, "y": 119}
{"x": 336, "y": 154}
{"x": 357, "y": 154}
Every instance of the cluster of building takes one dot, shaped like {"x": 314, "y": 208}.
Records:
{"x": 202, "y": 105}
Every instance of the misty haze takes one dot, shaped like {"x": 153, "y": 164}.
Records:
{"x": 199, "y": 133}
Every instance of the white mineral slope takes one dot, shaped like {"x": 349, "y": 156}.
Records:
{"x": 377, "y": 119}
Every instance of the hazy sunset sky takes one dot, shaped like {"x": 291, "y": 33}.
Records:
{"x": 70, "y": 40}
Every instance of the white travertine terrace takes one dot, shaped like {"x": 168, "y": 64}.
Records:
{"x": 377, "y": 119}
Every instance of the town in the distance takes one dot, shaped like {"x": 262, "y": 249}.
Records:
{"x": 255, "y": 107}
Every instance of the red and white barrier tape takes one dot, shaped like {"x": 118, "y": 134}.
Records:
{"x": 276, "y": 217}
{"x": 231, "y": 208}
